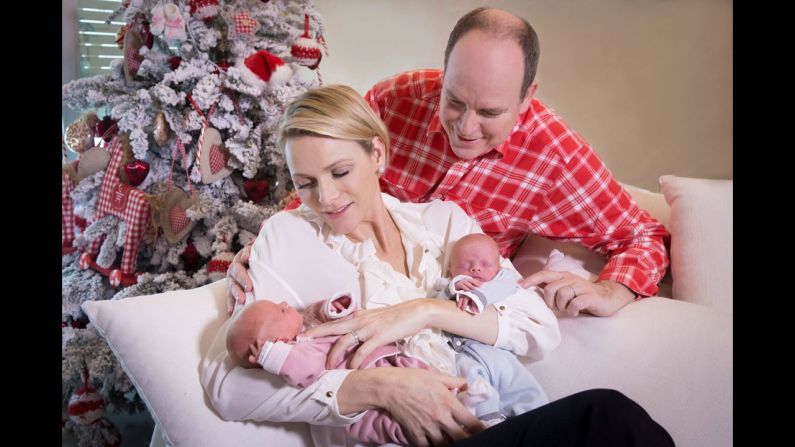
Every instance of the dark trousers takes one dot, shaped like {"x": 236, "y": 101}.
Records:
{"x": 597, "y": 417}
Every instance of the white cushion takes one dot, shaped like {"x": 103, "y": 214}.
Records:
{"x": 701, "y": 240}
{"x": 673, "y": 358}
{"x": 160, "y": 340}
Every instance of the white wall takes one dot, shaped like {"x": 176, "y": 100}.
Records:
{"x": 647, "y": 82}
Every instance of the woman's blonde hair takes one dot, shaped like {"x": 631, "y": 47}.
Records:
{"x": 333, "y": 111}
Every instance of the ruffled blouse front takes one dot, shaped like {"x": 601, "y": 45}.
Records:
{"x": 382, "y": 286}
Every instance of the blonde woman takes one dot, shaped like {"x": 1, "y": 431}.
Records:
{"x": 347, "y": 235}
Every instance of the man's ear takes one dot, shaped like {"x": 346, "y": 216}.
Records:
{"x": 528, "y": 96}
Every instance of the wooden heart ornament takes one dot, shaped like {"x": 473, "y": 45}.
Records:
{"x": 173, "y": 219}
{"x": 213, "y": 157}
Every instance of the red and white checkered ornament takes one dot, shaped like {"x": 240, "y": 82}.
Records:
{"x": 67, "y": 213}
{"x": 306, "y": 51}
{"x": 86, "y": 405}
{"x": 124, "y": 201}
{"x": 204, "y": 9}
{"x": 241, "y": 25}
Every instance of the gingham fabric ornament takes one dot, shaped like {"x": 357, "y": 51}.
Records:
{"x": 126, "y": 202}
{"x": 137, "y": 36}
{"x": 262, "y": 69}
{"x": 204, "y": 9}
{"x": 212, "y": 156}
{"x": 305, "y": 50}
{"x": 67, "y": 213}
{"x": 242, "y": 25}
{"x": 86, "y": 406}
{"x": 173, "y": 219}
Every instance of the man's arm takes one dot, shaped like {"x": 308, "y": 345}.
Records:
{"x": 589, "y": 206}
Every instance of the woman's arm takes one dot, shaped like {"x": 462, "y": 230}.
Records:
{"x": 280, "y": 252}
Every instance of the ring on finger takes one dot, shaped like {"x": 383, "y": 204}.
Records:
{"x": 573, "y": 292}
{"x": 356, "y": 337}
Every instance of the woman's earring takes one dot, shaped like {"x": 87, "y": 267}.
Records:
{"x": 380, "y": 170}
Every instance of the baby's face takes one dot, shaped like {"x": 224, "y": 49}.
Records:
{"x": 280, "y": 321}
{"x": 477, "y": 256}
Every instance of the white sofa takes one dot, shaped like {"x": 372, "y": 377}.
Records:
{"x": 673, "y": 356}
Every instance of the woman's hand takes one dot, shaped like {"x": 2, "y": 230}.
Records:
{"x": 421, "y": 401}
{"x": 569, "y": 292}
{"x": 375, "y": 327}
{"x": 237, "y": 279}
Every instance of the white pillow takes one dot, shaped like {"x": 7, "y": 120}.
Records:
{"x": 160, "y": 340}
{"x": 701, "y": 240}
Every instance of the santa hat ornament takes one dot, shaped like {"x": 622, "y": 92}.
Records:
{"x": 204, "y": 9}
{"x": 305, "y": 50}
{"x": 263, "y": 69}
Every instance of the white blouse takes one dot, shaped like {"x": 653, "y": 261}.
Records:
{"x": 297, "y": 259}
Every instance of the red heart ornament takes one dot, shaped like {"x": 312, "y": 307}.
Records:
{"x": 174, "y": 62}
{"x": 190, "y": 256}
{"x": 256, "y": 190}
{"x": 136, "y": 171}
{"x": 106, "y": 128}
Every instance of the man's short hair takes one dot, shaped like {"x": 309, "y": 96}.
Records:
{"x": 521, "y": 33}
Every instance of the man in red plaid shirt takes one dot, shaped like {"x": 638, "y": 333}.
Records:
{"x": 474, "y": 134}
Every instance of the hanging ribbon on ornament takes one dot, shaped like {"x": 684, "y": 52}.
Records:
{"x": 179, "y": 150}
{"x": 231, "y": 94}
{"x": 210, "y": 151}
{"x": 172, "y": 205}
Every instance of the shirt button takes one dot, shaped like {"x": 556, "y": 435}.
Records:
{"x": 427, "y": 250}
{"x": 329, "y": 393}
{"x": 502, "y": 307}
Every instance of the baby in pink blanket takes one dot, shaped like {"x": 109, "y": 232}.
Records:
{"x": 268, "y": 335}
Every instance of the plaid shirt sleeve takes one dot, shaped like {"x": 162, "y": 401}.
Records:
{"x": 589, "y": 206}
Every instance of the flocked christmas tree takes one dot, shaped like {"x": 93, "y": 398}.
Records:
{"x": 178, "y": 174}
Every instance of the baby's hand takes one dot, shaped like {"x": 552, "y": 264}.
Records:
{"x": 466, "y": 304}
{"x": 341, "y": 303}
{"x": 467, "y": 284}
{"x": 255, "y": 349}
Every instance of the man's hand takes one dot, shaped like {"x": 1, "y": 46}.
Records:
{"x": 569, "y": 292}
{"x": 237, "y": 279}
